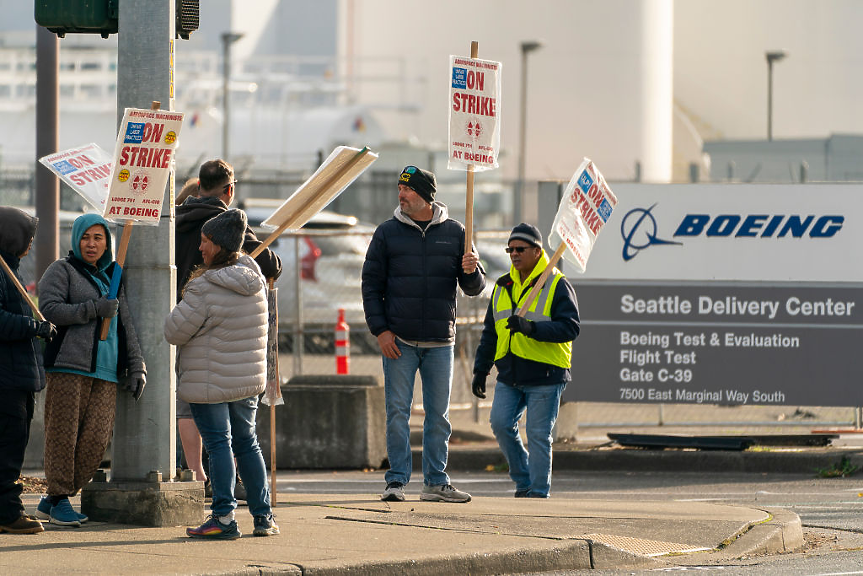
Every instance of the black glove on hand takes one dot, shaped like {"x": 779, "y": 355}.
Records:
{"x": 478, "y": 385}
{"x": 518, "y": 323}
{"x": 106, "y": 308}
{"x": 46, "y": 331}
{"x": 135, "y": 384}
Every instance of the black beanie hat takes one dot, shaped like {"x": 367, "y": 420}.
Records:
{"x": 527, "y": 232}
{"x": 227, "y": 229}
{"x": 421, "y": 181}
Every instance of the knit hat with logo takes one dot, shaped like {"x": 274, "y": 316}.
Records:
{"x": 421, "y": 181}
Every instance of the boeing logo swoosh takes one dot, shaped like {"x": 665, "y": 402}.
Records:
{"x": 638, "y": 229}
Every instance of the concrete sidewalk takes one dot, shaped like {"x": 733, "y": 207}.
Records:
{"x": 359, "y": 534}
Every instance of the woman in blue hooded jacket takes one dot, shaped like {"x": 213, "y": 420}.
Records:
{"x": 82, "y": 370}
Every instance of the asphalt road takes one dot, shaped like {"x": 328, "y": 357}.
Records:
{"x": 831, "y": 509}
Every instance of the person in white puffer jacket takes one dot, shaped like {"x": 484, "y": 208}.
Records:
{"x": 220, "y": 326}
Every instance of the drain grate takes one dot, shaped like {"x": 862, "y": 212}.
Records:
{"x": 644, "y": 547}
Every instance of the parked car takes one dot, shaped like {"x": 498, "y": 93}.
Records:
{"x": 332, "y": 250}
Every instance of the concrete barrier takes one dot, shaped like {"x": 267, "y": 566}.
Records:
{"x": 327, "y": 422}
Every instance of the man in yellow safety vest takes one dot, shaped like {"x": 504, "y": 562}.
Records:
{"x": 533, "y": 356}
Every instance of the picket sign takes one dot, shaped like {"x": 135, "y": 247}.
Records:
{"x": 584, "y": 209}
{"x": 341, "y": 168}
{"x": 273, "y": 392}
{"x": 21, "y": 290}
{"x": 138, "y": 184}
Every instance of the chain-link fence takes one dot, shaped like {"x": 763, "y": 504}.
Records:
{"x": 332, "y": 286}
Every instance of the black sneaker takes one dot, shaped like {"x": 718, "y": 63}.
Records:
{"x": 522, "y": 493}
{"x": 394, "y": 492}
{"x": 265, "y": 526}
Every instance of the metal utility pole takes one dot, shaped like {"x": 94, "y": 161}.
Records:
{"x": 228, "y": 38}
{"x": 518, "y": 204}
{"x": 144, "y": 449}
{"x": 771, "y": 58}
{"x": 47, "y": 202}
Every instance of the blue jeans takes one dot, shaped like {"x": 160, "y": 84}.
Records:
{"x": 531, "y": 472}
{"x": 228, "y": 430}
{"x": 435, "y": 368}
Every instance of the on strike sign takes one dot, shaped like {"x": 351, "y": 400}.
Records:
{"x": 584, "y": 209}
{"x": 474, "y": 114}
{"x": 87, "y": 169}
{"x": 142, "y": 164}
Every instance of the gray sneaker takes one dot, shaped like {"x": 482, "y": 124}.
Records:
{"x": 443, "y": 493}
{"x": 395, "y": 492}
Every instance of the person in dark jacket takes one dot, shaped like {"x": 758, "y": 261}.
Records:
{"x": 83, "y": 371}
{"x": 414, "y": 264}
{"x": 533, "y": 356}
{"x": 21, "y": 371}
{"x": 215, "y": 192}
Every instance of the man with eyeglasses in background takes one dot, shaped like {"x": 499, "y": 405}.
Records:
{"x": 215, "y": 192}
{"x": 533, "y": 356}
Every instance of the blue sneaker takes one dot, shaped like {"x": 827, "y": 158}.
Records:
{"x": 62, "y": 514}
{"x": 43, "y": 511}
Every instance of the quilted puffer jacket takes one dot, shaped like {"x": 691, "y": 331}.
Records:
{"x": 220, "y": 326}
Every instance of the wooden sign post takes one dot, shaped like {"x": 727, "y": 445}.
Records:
{"x": 21, "y": 290}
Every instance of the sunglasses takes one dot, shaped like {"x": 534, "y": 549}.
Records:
{"x": 519, "y": 249}
{"x": 229, "y": 184}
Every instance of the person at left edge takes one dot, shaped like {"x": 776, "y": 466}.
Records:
{"x": 83, "y": 371}
{"x": 21, "y": 371}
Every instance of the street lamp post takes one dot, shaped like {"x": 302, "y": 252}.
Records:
{"x": 228, "y": 38}
{"x": 518, "y": 204}
{"x": 772, "y": 57}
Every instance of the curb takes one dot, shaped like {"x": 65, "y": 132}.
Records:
{"x": 782, "y": 533}
{"x": 468, "y": 459}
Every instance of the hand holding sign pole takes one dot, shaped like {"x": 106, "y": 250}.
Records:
{"x": 143, "y": 157}
{"x": 586, "y": 206}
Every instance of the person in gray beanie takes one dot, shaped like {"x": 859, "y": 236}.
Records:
{"x": 220, "y": 329}
{"x": 227, "y": 229}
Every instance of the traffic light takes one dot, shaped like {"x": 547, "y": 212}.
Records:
{"x": 101, "y": 16}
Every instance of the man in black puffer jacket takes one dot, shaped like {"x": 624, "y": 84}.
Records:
{"x": 21, "y": 371}
{"x": 414, "y": 264}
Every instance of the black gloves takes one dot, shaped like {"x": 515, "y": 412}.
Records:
{"x": 477, "y": 386}
{"x": 46, "y": 331}
{"x": 135, "y": 384}
{"x": 518, "y": 323}
{"x": 106, "y": 308}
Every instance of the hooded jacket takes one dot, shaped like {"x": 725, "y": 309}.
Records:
{"x": 410, "y": 277}
{"x": 20, "y": 351}
{"x": 191, "y": 216}
{"x": 220, "y": 326}
{"x": 67, "y": 295}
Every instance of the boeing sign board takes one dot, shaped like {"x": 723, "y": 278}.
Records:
{"x": 738, "y": 294}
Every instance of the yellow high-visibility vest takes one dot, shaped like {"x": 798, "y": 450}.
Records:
{"x": 505, "y": 305}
